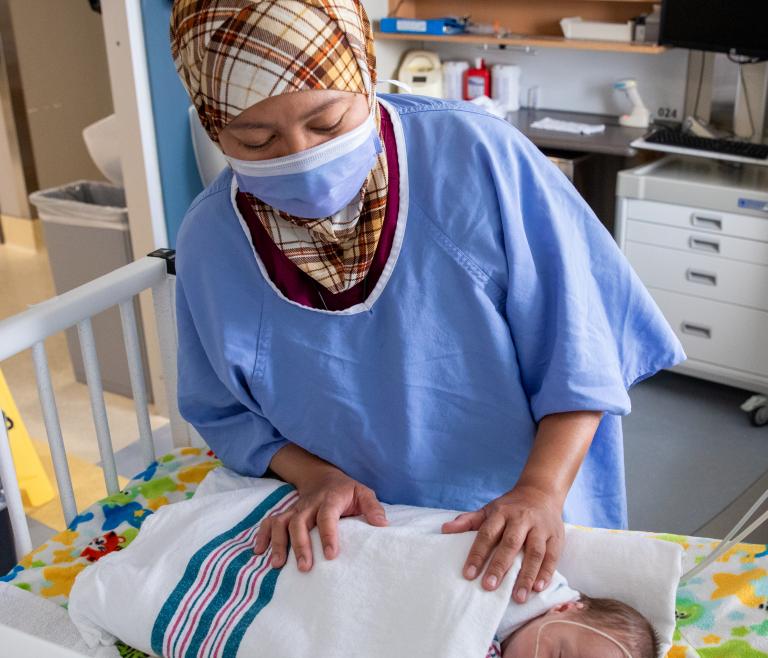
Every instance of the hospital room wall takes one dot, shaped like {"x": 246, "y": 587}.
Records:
{"x": 13, "y": 181}
{"x": 569, "y": 80}
{"x": 388, "y": 53}
{"x": 53, "y": 83}
{"x": 65, "y": 88}
{"x": 582, "y": 80}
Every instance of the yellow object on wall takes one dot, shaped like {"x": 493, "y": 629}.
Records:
{"x": 36, "y": 488}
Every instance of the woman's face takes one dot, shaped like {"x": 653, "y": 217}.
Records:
{"x": 289, "y": 123}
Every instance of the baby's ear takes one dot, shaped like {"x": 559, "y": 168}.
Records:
{"x": 565, "y": 607}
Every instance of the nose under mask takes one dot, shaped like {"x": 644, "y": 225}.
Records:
{"x": 317, "y": 182}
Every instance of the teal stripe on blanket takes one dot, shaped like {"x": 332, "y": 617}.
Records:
{"x": 192, "y": 572}
{"x": 265, "y": 596}
{"x": 204, "y": 627}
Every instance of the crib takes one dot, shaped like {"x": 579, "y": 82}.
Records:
{"x": 28, "y": 330}
{"x": 708, "y": 617}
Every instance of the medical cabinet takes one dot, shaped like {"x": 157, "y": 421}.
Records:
{"x": 696, "y": 232}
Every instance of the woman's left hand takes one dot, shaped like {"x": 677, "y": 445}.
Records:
{"x": 527, "y": 519}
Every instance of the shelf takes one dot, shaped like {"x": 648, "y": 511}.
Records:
{"x": 531, "y": 41}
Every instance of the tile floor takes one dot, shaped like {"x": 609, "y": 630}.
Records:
{"x": 694, "y": 462}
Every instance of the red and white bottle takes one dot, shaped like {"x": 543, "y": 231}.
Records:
{"x": 477, "y": 81}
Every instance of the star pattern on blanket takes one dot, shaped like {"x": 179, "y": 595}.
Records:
{"x": 739, "y": 585}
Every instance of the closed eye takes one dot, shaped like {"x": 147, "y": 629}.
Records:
{"x": 333, "y": 128}
{"x": 256, "y": 147}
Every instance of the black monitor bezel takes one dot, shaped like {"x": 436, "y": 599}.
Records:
{"x": 709, "y": 47}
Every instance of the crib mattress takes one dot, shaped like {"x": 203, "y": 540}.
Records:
{"x": 723, "y": 613}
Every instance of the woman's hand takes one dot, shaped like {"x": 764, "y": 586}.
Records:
{"x": 527, "y": 519}
{"x": 530, "y": 517}
{"x": 322, "y": 501}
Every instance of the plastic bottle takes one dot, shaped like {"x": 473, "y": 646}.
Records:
{"x": 453, "y": 79}
{"x": 505, "y": 83}
{"x": 477, "y": 81}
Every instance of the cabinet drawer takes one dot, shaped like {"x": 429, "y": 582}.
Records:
{"x": 721, "y": 334}
{"x": 710, "y": 221}
{"x": 750, "y": 251}
{"x": 724, "y": 280}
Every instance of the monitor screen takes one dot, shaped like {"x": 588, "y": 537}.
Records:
{"x": 738, "y": 26}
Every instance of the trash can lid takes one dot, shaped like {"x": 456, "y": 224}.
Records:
{"x": 83, "y": 203}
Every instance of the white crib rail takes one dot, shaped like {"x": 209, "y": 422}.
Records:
{"x": 75, "y": 308}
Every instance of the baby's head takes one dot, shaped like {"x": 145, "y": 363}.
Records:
{"x": 570, "y": 640}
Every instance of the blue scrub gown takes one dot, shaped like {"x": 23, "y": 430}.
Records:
{"x": 504, "y": 299}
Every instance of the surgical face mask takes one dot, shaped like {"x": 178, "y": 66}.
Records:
{"x": 317, "y": 182}
{"x": 624, "y": 650}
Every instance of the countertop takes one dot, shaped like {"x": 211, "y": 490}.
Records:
{"x": 614, "y": 140}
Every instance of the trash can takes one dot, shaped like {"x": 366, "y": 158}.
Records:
{"x": 7, "y": 550}
{"x": 86, "y": 232}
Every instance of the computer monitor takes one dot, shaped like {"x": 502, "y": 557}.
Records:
{"x": 739, "y": 27}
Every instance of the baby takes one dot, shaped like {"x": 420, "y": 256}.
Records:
{"x": 560, "y": 622}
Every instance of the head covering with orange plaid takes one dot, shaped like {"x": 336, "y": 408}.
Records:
{"x": 231, "y": 54}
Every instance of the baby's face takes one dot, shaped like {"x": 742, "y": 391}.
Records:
{"x": 557, "y": 640}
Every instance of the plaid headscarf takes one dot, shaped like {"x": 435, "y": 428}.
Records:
{"x": 231, "y": 54}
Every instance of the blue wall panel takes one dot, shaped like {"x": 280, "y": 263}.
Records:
{"x": 178, "y": 171}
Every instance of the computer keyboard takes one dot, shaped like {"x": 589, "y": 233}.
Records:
{"x": 671, "y": 137}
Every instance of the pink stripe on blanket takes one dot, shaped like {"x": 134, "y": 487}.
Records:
{"x": 213, "y": 567}
{"x": 241, "y": 607}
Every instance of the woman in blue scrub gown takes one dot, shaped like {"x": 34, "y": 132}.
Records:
{"x": 485, "y": 371}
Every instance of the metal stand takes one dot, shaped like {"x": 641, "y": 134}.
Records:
{"x": 749, "y": 111}
{"x": 698, "y": 85}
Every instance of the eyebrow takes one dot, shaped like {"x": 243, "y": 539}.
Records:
{"x": 253, "y": 125}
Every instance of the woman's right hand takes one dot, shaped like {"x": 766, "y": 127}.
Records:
{"x": 322, "y": 501}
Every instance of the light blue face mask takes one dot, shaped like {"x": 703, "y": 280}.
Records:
{"x": 317, "y": 182}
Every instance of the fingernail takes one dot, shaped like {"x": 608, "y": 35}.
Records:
{"x": 275, "y": 560}
{"x": 540, "y": 585}
{"x": 491, "y": 581}
{"x": 328, "y": 551}
{"x": 380, "y": 518}
{"x": 471, "y": 571}
{"x": 302, "y": 562}
{"x": 521, "y": 595}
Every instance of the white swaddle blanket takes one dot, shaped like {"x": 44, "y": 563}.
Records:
{"x": 190, "y": 585}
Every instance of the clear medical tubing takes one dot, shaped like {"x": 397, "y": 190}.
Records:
{"x": 624, "y": 650}
{"x": 732, "y": 538}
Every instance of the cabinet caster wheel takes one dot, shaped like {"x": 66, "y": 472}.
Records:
{"x": 759, "y": 416}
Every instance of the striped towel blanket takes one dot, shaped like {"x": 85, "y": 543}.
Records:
{"x": 190, "y": 586}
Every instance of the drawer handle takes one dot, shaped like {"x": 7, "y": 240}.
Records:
{"x": 696, "y": 330}
{"x": 712, "y": 223}
{"x": 699, "y": 244}
{"x": 705, "y": 278}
